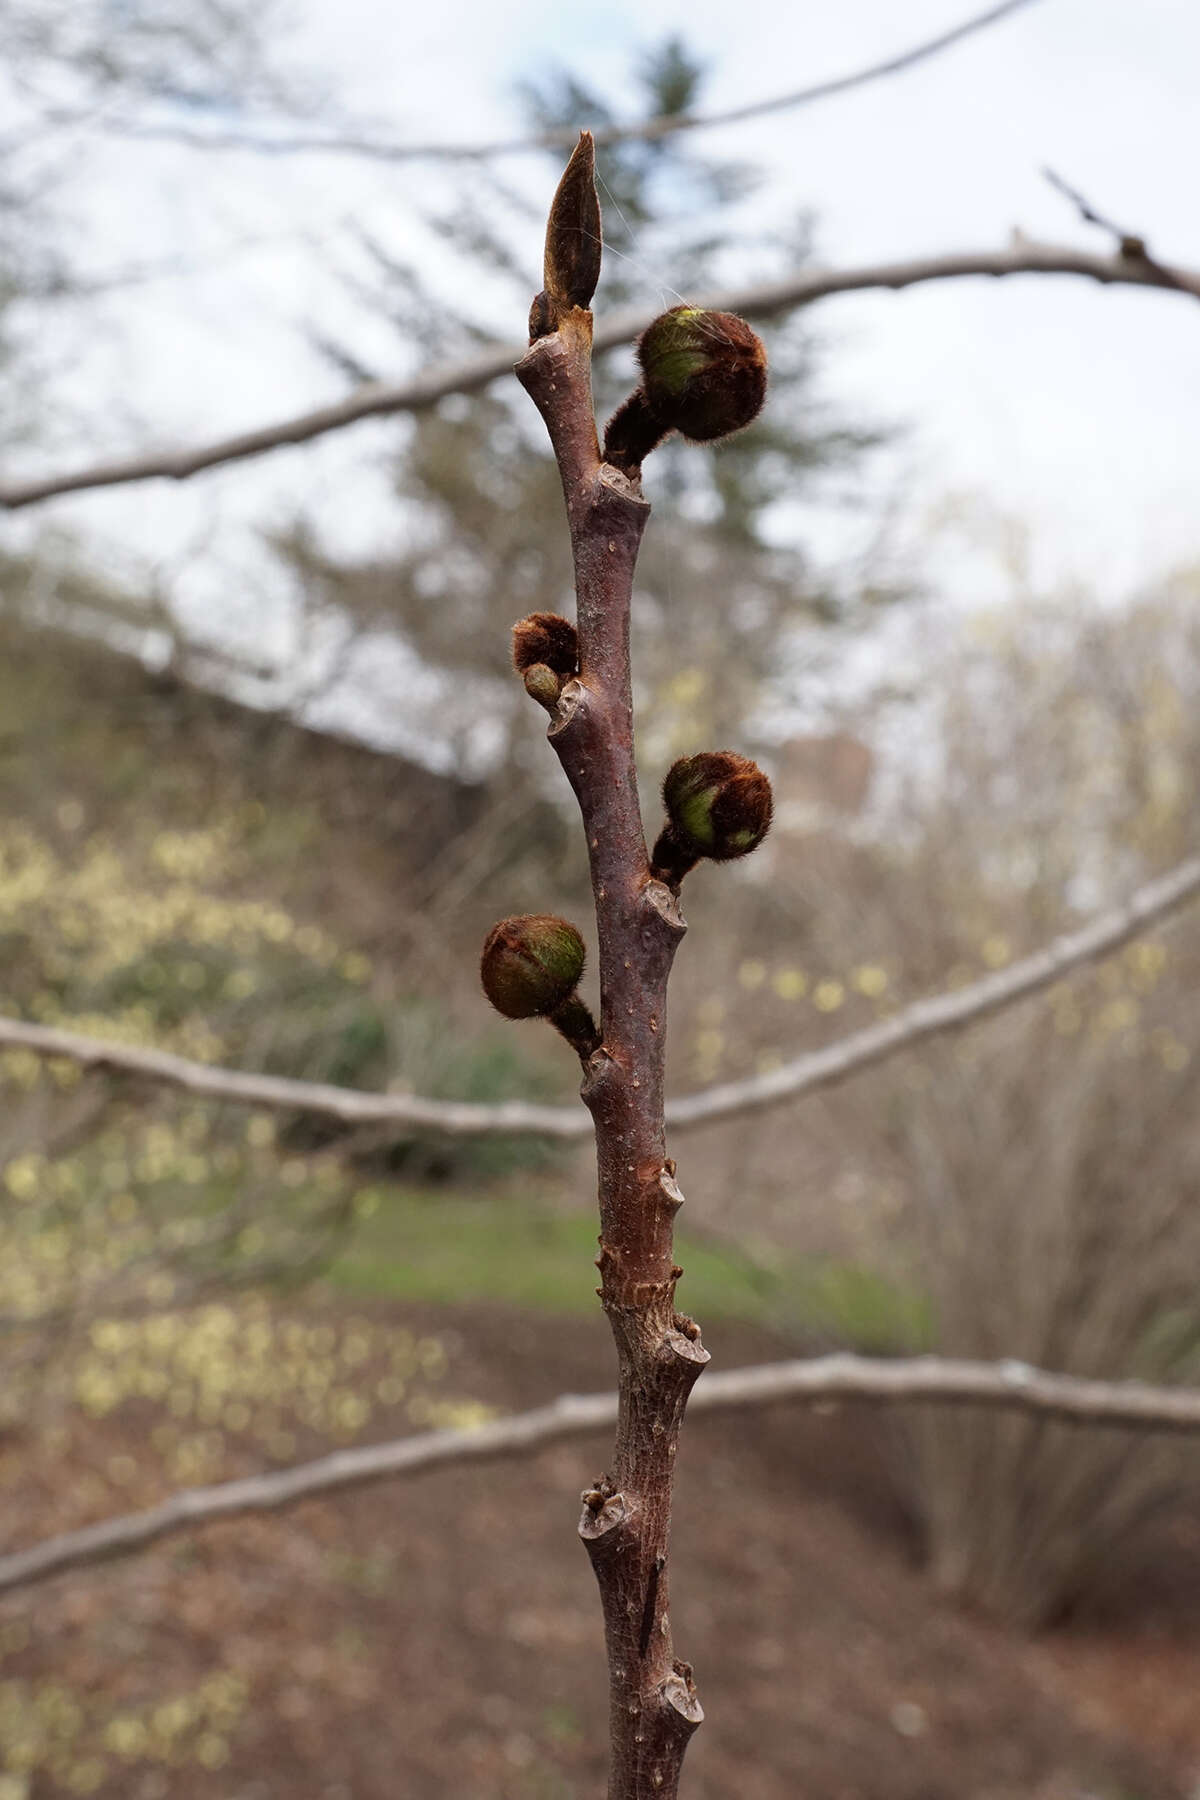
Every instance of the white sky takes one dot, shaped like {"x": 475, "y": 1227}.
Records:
{"x": 1071, "y": 408}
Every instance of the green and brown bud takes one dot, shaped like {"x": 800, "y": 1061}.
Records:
{"x": 719, "y": 805}
{"x": 704, "y": 374}
{"x": 545, "y": 655}
{"x": 531, "y": 964}
{"x": 545, "y": 638}
{"x": 530, "y": 968}
{"x": 544, "y": 686}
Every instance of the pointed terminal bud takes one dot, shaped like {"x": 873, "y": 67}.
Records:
{"x": 704, "y": 373}
{"x": 545, "y": 638}
{"x": 718, "y": 805}
{"x": 571, "y": 266}
{"x": 530, "y": 969}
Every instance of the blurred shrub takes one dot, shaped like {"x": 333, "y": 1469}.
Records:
{"x": 1050, "y": 1159}
{"x": 1032, "y": 1183}
{"x": 191, "y": 921}
{"x": 137, "y": 1408}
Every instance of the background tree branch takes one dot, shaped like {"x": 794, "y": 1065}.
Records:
{"x": 378, "y": 399}
{"x": 646, "y": 131}
{"x": 949, "y": 1011}
{"x": 905, "y": 1381}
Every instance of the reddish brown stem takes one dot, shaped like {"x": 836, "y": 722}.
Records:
{"x": 632, "y": 433}
{"x": 574, "y": 1021}
{"x": 627, "y": 1513}
{"x": 670, "y": 860}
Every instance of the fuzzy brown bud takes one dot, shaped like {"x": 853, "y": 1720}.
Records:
{"x": 531, "y": 965}
{"x": 704, "y": 373}
{"x": 718, "y": 805}
{"x": 545, "y": 638}
{"x": 571, "y": 265}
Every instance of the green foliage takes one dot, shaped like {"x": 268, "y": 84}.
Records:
{"x": 511, "y": 1248}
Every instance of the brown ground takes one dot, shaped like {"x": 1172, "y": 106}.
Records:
{"x": 440, "y": 1636}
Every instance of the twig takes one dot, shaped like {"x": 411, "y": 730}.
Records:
{"x": 379, "y": 399}
{"x": 949, "y": 1011}
{"x": 823, "y": 1380}
{"x": 648, "y": 131}
{"x": 1131, "y": 245}
{"x": 1089, "y": 215}
{"x": 626, "y": 1521}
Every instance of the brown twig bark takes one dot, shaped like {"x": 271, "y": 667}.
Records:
{"x": 653, "y": 1709}
{"x": 952, "y": 1010}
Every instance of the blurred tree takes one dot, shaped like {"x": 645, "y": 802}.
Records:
{"x": 1035, "y": 1180}
{"x": 67, "y": 66}
{"x": 479, "y": 548}
{"x": 159, "y": 884}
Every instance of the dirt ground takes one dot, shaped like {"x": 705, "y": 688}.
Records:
{"x": 440, "y": 1636}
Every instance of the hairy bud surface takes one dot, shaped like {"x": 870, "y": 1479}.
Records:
{"x": 704, "y": 373}
{"x": 547, "y": 638}
{"x": 531, "y": 965}
{"x": 719, "y": 804}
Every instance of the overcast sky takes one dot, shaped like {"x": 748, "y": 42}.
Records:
{"x": 1069, "y": 408}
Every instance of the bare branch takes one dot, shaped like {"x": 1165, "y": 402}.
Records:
{"x": 379, "y": 399}
{"x": 648, "y": 131}
{"x": 823, "y": 1380}
{"x": 347, "y": 1105}
{"x": 949, "y": 1011}
{"x": 1090, "y": 216}
{"x": 626, "y": 1517}
{"x": 1131, "y": 245}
